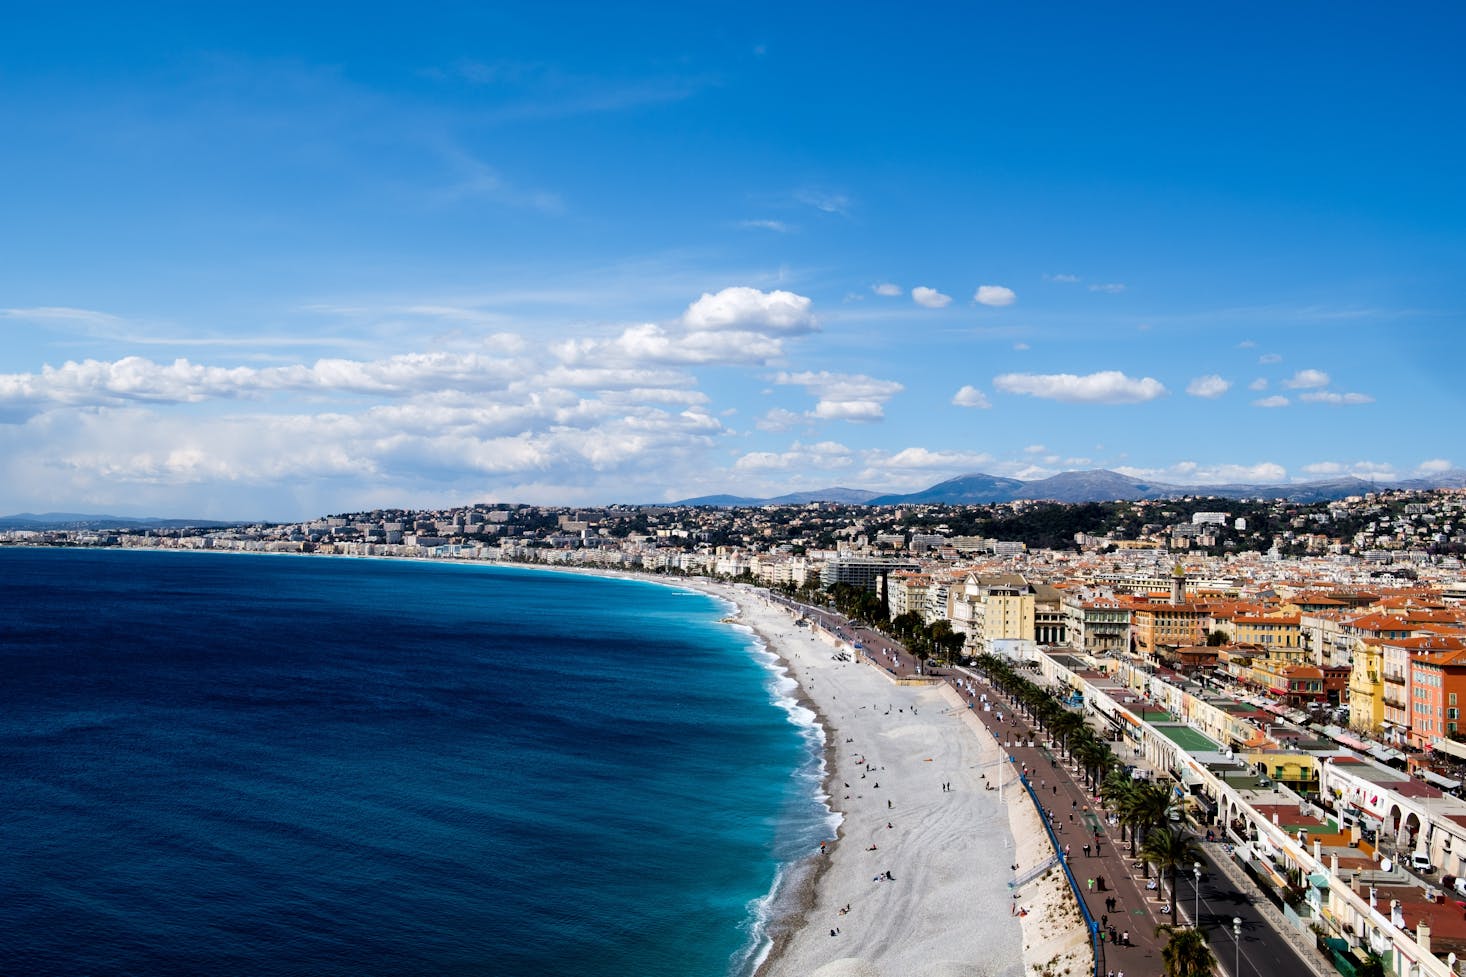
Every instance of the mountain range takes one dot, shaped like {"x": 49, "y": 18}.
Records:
{"x": 1098, "y": 485}
{"x": 81, "y": 522}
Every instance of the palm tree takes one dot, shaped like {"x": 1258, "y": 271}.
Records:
{"x": 1185, "y": 953}
{"x": 1144, "y": 809}
{"x": 1116, "y": 790}
{"x": 1170, "y": 850}
{"x": 1093, "y": 756}
{"x": 1064, "y": 726}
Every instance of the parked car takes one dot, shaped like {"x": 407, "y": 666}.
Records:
{"x": 1420, "y": 862}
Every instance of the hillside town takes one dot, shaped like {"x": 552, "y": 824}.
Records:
{"x": 1297, "y": 670}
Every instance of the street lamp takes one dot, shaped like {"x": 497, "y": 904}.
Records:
{"x": 1237, "y": 943}
{"x": 1196, "y": 916}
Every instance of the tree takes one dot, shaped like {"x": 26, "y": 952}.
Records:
{"x": 1095, "y": 757}
{"x": 906, "y": 626}
{"x": 1064, "y": 727}
{"x": 1143, "y": 809}
{"x": 1170, "y": 851}
{"x": 1186, "y": 953}
{"x": 1217, "y": 638}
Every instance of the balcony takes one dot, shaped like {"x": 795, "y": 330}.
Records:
{"x": 1394, "y": 679}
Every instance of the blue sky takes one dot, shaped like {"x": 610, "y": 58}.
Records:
{"x": 270, "y": 263}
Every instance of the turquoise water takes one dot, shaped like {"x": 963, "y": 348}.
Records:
{"x": 285, "y": 765}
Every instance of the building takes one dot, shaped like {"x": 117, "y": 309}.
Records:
{"x": 1157, "y": 628}
{"x": 1437, "y": 694}
{"x": 1100, "y": 626}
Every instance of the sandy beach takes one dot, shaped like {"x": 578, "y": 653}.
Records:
{"x": 918, "y": 880}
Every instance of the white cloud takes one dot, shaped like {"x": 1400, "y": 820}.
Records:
{"x": 994, "y": 295}
{"x": 1064, "y": 279}
{"x": 779, "y": 227}
{"x": 1208, "y": 386}
{"x": 748, "y": 309}
{"x": 970, "y": 396}
{"x": 1021, "y": 347}
{"x": 779, "y": 419}
{"x": 1109, "y": 288}
{"x": 142, "y": 455}
{"x": 1321, "y": 468}
{"x": 1337, "y": 399}
{"x": 922, "y": 459}
{"x": 134, "y": 379}
{"x": 1259, "y": 384}
{"x": 1193, "y": 473}
{"x": 1307, "y": 379}
{"x": 886, "y": 288}
{"x": 1273, "y": 401}
{"x": 1246, "y": 344}
{"x": 1105, "y": 387}
{"x": 1270, "y": 358}
{"x": 1434, "y": 466}
{"x": 61, "y": 313}
{"x": 930, "y": 297}
{"x": 650, "y": 343}
{"x": 1035, "y": 449}
{"x": 824, "y": 200}
{"x": 799, "y": 457}
{"x": 842, "y": 396}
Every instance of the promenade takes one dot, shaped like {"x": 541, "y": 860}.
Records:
{"x": 1113, "y": 886}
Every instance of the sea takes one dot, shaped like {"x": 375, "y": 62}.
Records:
{"x": 305, "y": 765}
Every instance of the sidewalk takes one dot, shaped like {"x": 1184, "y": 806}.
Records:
{"x": 1106, "y": 872}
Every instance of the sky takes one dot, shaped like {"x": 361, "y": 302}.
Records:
{"x": 268, "y": 261}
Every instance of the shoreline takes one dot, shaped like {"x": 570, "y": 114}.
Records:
{"x": 928, "y": 894}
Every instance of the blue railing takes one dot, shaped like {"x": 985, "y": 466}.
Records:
{"x": 1090, "y": 923}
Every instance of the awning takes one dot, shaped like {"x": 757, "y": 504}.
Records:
{"x": 1445, "y": 783}
{"x": 1318, "y": 880}
{"x": 1449, "y": 747}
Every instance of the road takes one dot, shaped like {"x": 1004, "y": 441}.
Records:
{"x": 1263, "y": 952}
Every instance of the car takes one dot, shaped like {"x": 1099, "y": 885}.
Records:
{"x": 1420, "y": 862}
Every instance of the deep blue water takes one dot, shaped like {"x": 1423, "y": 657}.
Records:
{"x": 228, "y": 764}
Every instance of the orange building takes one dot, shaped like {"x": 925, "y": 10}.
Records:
{"x": 1167, "y": 626}
{"x": 1437, "y": 694}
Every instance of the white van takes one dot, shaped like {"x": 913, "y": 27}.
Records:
{"x": 1420, "y": 862}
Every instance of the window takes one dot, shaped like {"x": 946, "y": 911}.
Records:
{"x": 1450, "y": 698}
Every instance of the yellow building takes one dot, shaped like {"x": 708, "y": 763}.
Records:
{"x": 1366, "y": 688}
{"x": 1008, "y": 611}
{"x": 1268, "y": 632}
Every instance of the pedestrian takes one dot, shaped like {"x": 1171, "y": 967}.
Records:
{"x": 1125, "y": 938}
{"x": 1086, "y": 849}
{"x": 1090, "y": 883}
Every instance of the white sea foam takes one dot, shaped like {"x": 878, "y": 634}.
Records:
{"x": 778, "y": 902}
